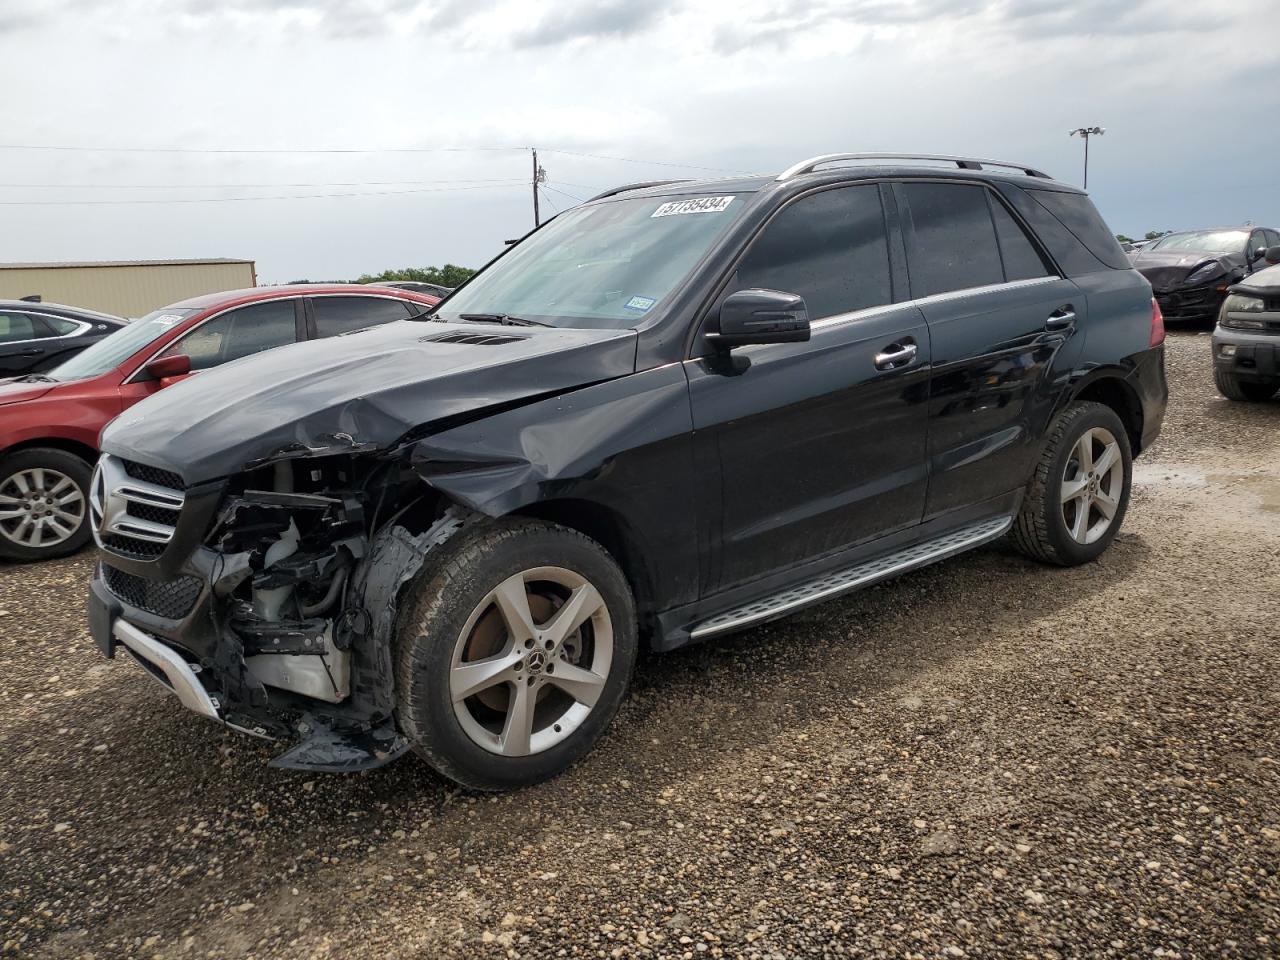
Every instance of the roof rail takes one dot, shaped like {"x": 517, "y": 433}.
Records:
{"x": 635, "y": 186}
{"x": 964, "y": 163}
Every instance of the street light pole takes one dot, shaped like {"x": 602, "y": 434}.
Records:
{"x": 1086, "y": 133}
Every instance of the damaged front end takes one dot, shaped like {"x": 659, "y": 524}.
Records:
{"x": 268, "y": 601}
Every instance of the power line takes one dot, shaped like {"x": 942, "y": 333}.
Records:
{"x": 82, "y": 148}
{"x": 652, "y": 163}
{"x": 245, "y": 186}
{"x": 564, "y": 193}
{"x": 554, "y": 205}
{"x": 86, "y": 149}
{"x": 295, "y": 196}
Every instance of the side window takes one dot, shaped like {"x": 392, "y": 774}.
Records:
{"x": 1021, "y": 259}
{"x": 335, "y": 315}
{"x": 16, "y": 327}
{"x": 830, "y": 248}
{"x": 237, "y": 334}
{"x": 1273, "y": 238}
{"x": 1256, "y": 239}
{"x": 1076, "y": 212}
{"x": 952, "y": 243}
{"x": 62, "y": 326}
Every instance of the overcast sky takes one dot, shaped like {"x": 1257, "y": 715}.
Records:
{"x": 1189, "y": 94}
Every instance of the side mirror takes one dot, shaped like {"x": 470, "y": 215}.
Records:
{"x": 1273, "y": 254}
{"x": 1257, "y": 254}
{"x": 761, "y": 316}
{"x": 162, "y": 368}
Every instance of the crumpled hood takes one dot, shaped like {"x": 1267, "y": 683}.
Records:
{"x": 1265, "y": 282}
{"x": 1164, "y": 271}
{"x": 361, "y": 391}
{"x": 14, "y": 391}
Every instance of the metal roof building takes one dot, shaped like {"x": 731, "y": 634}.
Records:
{"x": 126, "y": 288}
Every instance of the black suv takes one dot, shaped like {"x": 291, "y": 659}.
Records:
{"x": 675, "y": 411}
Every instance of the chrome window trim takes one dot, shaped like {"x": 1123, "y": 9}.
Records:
{"x": 82, "y": 326}
{"x": 855, "y": 315}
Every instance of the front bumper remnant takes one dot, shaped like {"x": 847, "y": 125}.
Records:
{"x": 167, "y": 666}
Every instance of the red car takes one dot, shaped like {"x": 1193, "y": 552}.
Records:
{"x": 49, "y": 422}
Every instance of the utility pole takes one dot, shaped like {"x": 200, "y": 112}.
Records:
{"x": 539, "y": 176}
{"x": 1086, "y": 133}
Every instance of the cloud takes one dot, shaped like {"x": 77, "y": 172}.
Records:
{"x": 592, "y": 20}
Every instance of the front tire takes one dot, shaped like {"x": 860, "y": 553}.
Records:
{"x": 44, "y": 504}
{"x": 1079, "y": 493}
{"x": 1250, "y": 391}
{"x": 514, "y": 653}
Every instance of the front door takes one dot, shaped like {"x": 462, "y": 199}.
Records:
{"x": 999, "y": 320}
{"x": 819, "y": 445}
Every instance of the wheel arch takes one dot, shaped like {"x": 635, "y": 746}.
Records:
{"x": 612, "y": 531}
{"x": 1111, "y": 389}
{"x": 84, "y": 451}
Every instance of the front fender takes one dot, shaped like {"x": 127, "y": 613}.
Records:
{"x": 623, "y": 446}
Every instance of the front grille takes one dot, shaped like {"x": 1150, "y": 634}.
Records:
{"x": 171, "y": 599}
{"x": 132, "y": 547}
{"x": 147, "y": 511}
{"x": 161, "y": 478}
{"x": 135, "y": 508}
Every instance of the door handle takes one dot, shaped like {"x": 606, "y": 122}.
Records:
{"x": 896, "y": 355}
{"x": 32, "y": 352}
{"x": 1064, "y": 318}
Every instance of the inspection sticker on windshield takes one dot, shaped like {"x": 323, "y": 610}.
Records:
{"x": 639, "y": 304}
{"x": 168, "y": 319}
{"x": 697, "y": 205}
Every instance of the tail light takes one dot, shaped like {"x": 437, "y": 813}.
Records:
{"x": 1157, "y": 324}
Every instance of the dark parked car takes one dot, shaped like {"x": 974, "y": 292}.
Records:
{"x": 49, "y": 422}
{"x": 672, "y": 412}
{"x": 1191, "y": 270}
{"x": 35, "y": 336}
{"x": 432, "y": 289}
{"x": 1246, "y": 341}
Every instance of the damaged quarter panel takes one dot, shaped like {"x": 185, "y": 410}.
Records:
{"x": 356, "y": 393}
{"x": 622, "y": 447}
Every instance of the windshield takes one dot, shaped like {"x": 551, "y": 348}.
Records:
{"x": 109, "y": 352}
{"x": 1213, "y": 241}
{"x": 602, "y": 265}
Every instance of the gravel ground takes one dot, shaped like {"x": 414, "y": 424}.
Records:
{"x": 984, "y": 758}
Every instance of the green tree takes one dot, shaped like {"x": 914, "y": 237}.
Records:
{"x": 1156, "y": 234}
{"x": 1123, "y": 238}
{"x": 450, "y": 275}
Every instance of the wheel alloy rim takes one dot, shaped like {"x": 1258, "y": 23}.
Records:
{"x": 40, "y": 507}
{"x": 531, "y": 662}
{"x": 1092, "y": 484}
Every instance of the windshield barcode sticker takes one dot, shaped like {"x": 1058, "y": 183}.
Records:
{"x": 698, "y": 205}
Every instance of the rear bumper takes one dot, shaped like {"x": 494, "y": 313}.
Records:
{"x": 1147, "y": 378}
{"x": 1251, "y": 356}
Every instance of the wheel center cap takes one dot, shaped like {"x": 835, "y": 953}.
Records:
{"x": 536, "y": 661}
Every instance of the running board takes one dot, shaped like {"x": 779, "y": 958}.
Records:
{"x": 853, "y": 578}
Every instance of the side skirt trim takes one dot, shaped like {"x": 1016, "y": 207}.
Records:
{"x": 854, "y": 577}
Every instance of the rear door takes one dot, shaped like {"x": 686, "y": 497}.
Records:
{"x": 24, "y": 341}
{"x": 819, "y": 445}
{"x": 998, "y": 316}
{"x": 331, "y": 316}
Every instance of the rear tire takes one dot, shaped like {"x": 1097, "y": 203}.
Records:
{"x": 1079, "y": 493}
{"x": 44, "y": 504}
{"x": 495, "y": 689}
{"x": 1249, "y": 391}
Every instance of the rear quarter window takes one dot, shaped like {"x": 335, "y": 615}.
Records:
{"x": 1076, "y": 212}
